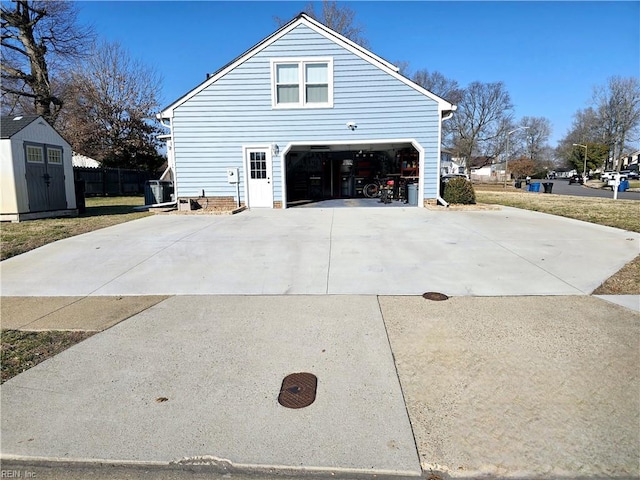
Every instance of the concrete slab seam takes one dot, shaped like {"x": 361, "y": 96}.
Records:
{"x": 52, "y": 312}
{"x": 326, "y": 291}
{"x": 395, "y": 367}
{"x": 528, "y": 261}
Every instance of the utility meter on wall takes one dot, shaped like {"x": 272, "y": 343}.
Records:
{"x": 233, "y": 175}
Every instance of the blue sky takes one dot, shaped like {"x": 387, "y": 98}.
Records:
{"x": 550, "y": 55}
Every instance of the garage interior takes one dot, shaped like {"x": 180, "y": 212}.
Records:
{"x": 319, "y": 172}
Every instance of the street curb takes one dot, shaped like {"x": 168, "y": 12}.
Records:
{"x": 215, "y": 465}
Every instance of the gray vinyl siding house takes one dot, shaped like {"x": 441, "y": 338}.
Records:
{"x": 305, "y": 114}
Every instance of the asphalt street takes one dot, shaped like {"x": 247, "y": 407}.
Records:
{"x": 562, "y": 187}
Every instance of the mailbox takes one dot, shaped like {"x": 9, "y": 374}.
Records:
{"x": 233, "y": 175}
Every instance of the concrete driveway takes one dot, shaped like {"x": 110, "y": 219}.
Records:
{"x": 400, "y": 251}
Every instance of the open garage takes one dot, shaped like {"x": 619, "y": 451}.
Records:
{"x": 324, "y": 172}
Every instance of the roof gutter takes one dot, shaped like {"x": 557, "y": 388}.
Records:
{"x": 448, "y": 115}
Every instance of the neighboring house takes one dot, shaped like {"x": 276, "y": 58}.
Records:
{"x": 304, "y": 114}
{"x": 629, "y": 160}
{"x": 462, "y": 164}
{"x": 84, "y": 161}
{"x": 483, "y": 168}
{"x": 449, "y": 164}
{"x": 36, "y": 170}
{"x": 566, "y": 172}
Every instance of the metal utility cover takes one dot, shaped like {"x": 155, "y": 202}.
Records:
{"x": 436, "y": 296}
{"x": 298, "y": 390}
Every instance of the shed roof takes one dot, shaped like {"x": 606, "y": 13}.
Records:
{"x": 12, "y": 124}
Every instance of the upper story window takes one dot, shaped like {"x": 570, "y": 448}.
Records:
{"x": 302, "y": 83}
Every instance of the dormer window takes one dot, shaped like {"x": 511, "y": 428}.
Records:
{"x": 302, "y": 83}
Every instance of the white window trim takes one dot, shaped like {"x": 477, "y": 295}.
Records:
{"x": 301, "y": 62}
{"x": 55, "y": 149}
{"x": 35, "y": 147}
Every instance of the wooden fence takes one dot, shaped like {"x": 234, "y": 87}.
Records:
{"x": 112, "y": 181}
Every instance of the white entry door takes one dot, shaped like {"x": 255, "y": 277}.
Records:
{"x": 260, "y": 172}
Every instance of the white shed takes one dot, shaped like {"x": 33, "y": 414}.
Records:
{"x": 36, "y": 173}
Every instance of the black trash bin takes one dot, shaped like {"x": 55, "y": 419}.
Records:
{"x": 157, "y": 191}
{"x": 80, "y": 191}
{"x": 548, "y": 186}
{"x": 518, "y": 184}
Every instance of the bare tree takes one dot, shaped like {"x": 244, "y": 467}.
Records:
{"x": 531, "y": 141}
{"x": 38, "y": 39}
{"x": 442, "y": 86}
{"x": 618, "y": 110}
{"x": 482, "y": 120}
{"x": 341, "y": 19}
{"x": 586, "y": 129}
{"x": 110, "y": 108}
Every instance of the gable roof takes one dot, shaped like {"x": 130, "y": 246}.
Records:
{"x": 304, "y": 19}
{"x": 479, "y": 162}
{"x": 12, "y": 124}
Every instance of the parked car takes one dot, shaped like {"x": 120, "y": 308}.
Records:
{"x": 610, "y": 175}
{"x": 630, "y": 174}
{"x": 576, "y": 179}
{"x": 449, "y": 176}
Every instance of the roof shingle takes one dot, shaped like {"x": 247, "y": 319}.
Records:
{"x": 12, "y": 124}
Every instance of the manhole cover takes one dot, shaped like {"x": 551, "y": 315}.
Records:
{"x": 298, "y": 390}
{"x": 435, "y": 296}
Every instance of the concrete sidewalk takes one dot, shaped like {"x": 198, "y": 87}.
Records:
{"x": 527, "y": 387}
{"x": 219, "y": 362}
{"x": 512, "y": 387}
{"x": 70, "y": 313}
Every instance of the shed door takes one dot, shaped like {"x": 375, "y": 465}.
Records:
{"x": 259, "y": 170}
{"x": 45, "y": 178}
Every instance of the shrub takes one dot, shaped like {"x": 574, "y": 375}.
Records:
{"x": 459, "y": 190}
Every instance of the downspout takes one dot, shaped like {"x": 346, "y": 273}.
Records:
{"x": 445, "y": 117}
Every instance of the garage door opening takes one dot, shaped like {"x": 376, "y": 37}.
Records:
{"x": 317, "y": 173}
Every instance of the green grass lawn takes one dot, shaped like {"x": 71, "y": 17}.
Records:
{"x": 603, "y": 211}
{"x": 19, "y": 351}
{"x": 17, "y": 238}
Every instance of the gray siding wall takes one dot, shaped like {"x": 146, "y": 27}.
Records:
{"x": 211, "y": 127}
{"x": 38, "y": 132}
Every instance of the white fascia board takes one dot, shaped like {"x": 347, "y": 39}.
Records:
{"x": 369, "y": 56}
{"x": 168, "y": 112}
{"x": 343, "y": 41}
